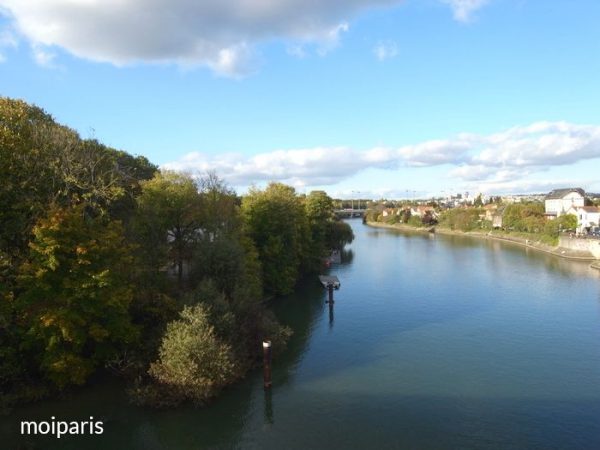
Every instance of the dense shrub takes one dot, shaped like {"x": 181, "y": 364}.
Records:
{"x": 193, "y": 363}
{"x": 462, "y": 219}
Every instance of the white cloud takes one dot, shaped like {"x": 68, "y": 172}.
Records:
{"x": 433, "y": 153}
{"x": 43, "y": 57}
{"x": 541, "y": 144}
{"x": 385, "y": 50}
{"x": 463, "y": 9}
{"x": 332, "y": 38}
{"x": 7, "y": 40}
{"x": 220, "y": 34}
{"x": 497, "y": 161}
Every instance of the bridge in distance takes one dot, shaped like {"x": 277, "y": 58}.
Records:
{"x": 349, "y": 212}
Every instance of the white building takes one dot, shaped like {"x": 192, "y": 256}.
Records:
{"x": 559, "y": 201}
{"x": 587, "y": 217}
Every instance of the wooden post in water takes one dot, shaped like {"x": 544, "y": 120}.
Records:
{"x": 330, "y": 289}
{"x": 267, "y": 364}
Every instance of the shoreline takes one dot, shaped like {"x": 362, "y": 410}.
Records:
{"x": 522, "y": 242}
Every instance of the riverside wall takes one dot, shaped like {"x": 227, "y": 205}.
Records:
{"x": 581, "y": 245}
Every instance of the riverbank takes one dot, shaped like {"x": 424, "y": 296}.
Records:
{"x": 498, "y": 236}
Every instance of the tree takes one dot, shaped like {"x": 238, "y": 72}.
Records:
{"x": 26, "y": 169}
{"x": 219, "y": 205}
{"x": 43, "y": 163}
{"x": 339, "y": 234}
{"x": 319, "y": 211}
{"x": 11, "y": 364}
{"x": 192, "y": 361}
{"x": 76, "y": 294}
{"x": 562, "y": 223}
{"x": 525, "y": 217}
{"x": 275, "y": 220}
{"x": 168, "y": 220}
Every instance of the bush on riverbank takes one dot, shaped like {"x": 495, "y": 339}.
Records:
{"x": 193, "y": 362}
{"x": 462, "y": 219}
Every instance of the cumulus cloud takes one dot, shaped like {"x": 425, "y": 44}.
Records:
{"x": 483, "y": 162}
{"x": 464, "y": 9}
{"x": 385, "y": 50}
{"x": 220, "y": 34}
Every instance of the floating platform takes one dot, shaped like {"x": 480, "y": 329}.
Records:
{"x": 326, "y": 280}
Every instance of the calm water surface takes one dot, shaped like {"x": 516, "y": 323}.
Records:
{"x": 435, "y": 342}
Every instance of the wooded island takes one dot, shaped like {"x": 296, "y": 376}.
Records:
{"x": 108, "y": 264}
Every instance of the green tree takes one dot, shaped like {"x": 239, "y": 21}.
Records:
{"x": 320, "y": 215}
{"x": 339, "y": 234}
{"x": 562, "y": 223}
{"x": 276, "y": 221}
{"x": 463, "y": 219}
{"x": 524, "y": 217}
{"x": 26, "y": 169}
{"x": 168, "y": 221}
{"x": 220, "y": 207}
{"x": 76, "y": 294}
{"x": 193, "y": 362}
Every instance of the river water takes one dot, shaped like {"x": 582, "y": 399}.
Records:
{"x": 433, "y": 342}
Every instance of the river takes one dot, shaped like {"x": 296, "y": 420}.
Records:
{"x": 434, "y": 342}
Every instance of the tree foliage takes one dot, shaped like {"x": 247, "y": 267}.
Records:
{"x": 100, "y": 253}
{"x": 76, "y": 294}
{"x": 193, "y": 362}
{"x": 168, "y": 220}
{"x": 275, "y": 220}
{"x": 463, "y": 219}
{"x": 524, "y": 217}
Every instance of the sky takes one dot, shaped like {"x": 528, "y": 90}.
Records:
{"x": 360, "y": 98}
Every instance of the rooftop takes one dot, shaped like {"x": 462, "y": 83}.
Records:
{"x": 561, "y": 193}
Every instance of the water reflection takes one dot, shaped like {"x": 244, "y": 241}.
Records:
{"x": 347, "y": 256}
{"x": 331, "y": 315}
{"x": 269, "y": 407}
{"x": 302, "y": 311}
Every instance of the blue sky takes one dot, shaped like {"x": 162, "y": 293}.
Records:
{"x": 378, "y": 97}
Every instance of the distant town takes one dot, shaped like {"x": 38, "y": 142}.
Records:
{"x": 578, "y": 209}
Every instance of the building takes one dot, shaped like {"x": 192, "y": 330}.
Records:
{"x": 559, "y": 201}
{"x": 421, "y": 210}
{"x": 587, "y": 217}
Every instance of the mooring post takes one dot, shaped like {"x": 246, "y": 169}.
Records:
{"x": 267, "y": 363}
{"x": 330, "y": 289}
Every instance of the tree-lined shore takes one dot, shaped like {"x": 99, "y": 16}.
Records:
{"x": 108, "y": 264}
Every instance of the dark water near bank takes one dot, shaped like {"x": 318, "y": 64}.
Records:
{"x": 435, "y": 342}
